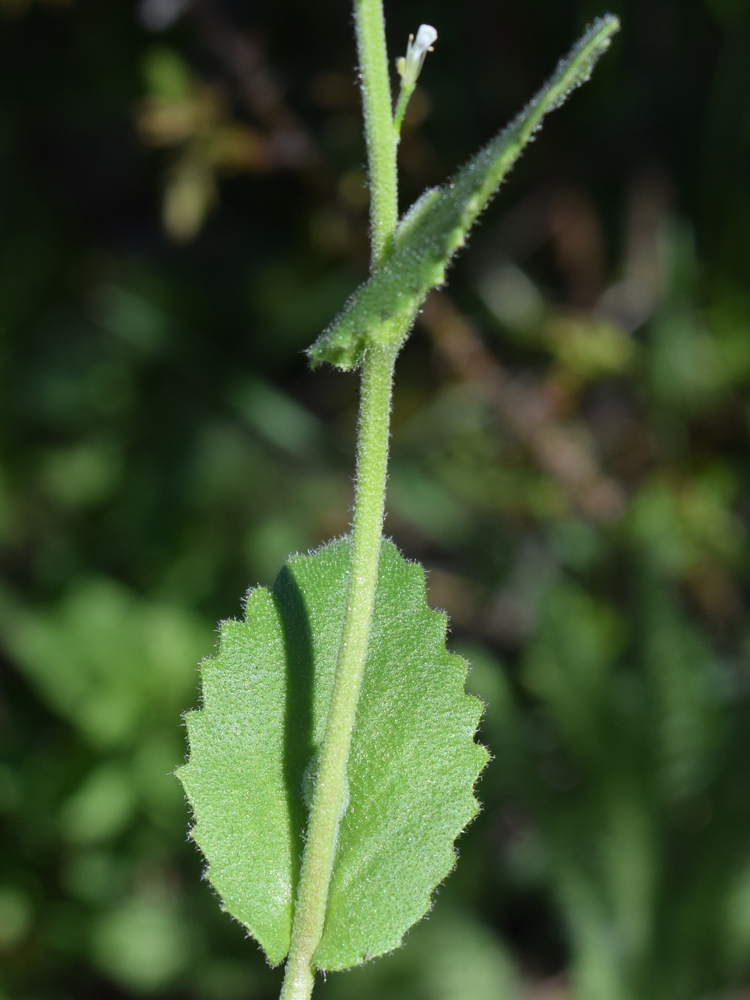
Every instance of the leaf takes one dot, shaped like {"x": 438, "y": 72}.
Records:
{"x": 109, "y": 661}
{"x": 436, "y": 226}
{"x": 411, "y": 771}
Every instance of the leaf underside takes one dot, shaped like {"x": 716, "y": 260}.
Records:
{"x": 384, "y": 308}
{"x": 411, "y": 771}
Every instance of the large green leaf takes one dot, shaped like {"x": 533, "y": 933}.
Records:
{"x": 436, "y": 226}
{"x": 411, "y": 772}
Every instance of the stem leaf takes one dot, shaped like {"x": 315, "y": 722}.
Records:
{"x": 435, "y": 228}
{"x": 253, "y": 752}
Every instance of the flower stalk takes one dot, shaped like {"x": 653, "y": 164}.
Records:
{"x": 410, "y": 66}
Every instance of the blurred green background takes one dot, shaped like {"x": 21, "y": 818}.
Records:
{"x": 181, "y": 211}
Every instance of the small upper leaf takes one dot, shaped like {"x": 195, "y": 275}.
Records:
{"x": 436, "y": 226}
{"x": 411, "y": 771}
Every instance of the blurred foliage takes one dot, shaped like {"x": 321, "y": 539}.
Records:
{"x": 183, "y": 210}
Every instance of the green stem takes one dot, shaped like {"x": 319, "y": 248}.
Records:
{"x": 403, "y": 99}
{"x": 329, "y": 796}
{"x": 372, "y": 462}
{"x": 381, "y": 139}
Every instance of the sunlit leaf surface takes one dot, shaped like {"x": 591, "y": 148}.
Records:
{"x": 411, "y": 771}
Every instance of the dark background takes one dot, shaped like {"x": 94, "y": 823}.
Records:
{"x": 182, "y": 210}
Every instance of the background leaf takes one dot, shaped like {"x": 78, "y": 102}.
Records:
{"x": 411, "y": 771}
{"x": 106, "y": 659}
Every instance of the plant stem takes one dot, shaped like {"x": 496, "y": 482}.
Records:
{"x": 329, "y": 795}
{"x": 372, "y": 462}
{"x": 407, "y": 89}
{"x": 381, "y": 138}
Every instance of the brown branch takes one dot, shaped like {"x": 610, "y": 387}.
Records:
{"x": 527, "y": 412}
{"x": 245, "y": 61}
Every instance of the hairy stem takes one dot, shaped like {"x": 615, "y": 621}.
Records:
{"x": 372, "y": 461}
{"x": 381, "y": 139}
{"x": 329, "y": 796}
{"x": 407, "y": 89}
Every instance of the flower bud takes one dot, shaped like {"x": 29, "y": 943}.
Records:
{"x": 410, "y": 67}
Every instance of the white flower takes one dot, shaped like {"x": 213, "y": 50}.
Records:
{"x": 416, "y": 50}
